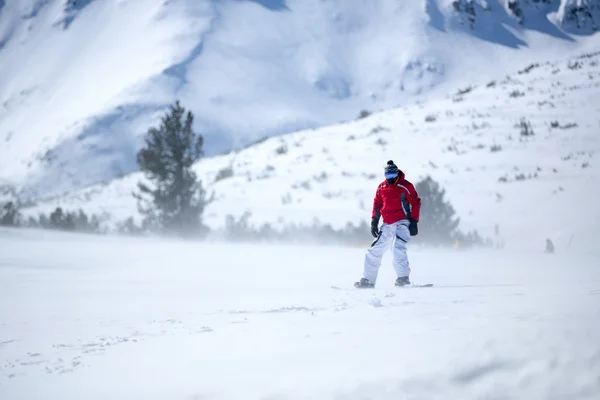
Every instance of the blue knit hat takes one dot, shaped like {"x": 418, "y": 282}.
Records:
{"x": 391, "y": 170}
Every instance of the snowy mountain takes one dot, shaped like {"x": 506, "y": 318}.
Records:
{"x": 517, "y": 153}
{"x": 82, "y": 80}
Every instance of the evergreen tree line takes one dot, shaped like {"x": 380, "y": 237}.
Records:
{"x": 70, "y": 221}
{"x": 240, "y": 230}
{"x": 172, "y": 200}
{"x": 438, "y": 226}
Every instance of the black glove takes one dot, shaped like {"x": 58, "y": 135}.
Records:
{"x": 413, "y": 228}
{"x": 375, "y": 227}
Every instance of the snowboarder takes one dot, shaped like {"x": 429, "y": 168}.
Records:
{"x": 398, "y": 202}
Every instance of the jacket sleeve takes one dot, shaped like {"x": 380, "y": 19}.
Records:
{"x": 415, "y": 203}
{"x": 377, "y": 204}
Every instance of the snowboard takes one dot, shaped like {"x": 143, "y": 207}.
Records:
{"x": 412, "y": 285}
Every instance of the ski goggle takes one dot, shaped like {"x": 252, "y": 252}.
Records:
{"x": 391, "y": 175}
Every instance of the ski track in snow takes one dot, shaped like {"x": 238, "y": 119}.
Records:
{"x": 264, "y": 323}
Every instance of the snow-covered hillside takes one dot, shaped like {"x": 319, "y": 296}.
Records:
{"x": 80, "y": 81}
{"x": 546, "y": 184}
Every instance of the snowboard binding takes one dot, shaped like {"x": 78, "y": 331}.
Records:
{"x": 364, "y": 284}
{"x": 403, "y": 281}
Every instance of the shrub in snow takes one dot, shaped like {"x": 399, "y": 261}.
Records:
{"x": 528, "y": 69}
{"x": 224, "y": 173}
{"x": 364, "y": 114}
{"x": 556, "y": 124}
{"x": 430, "y": 118}
{"x": 287, "y": 199}
{"x": 282, "y": 149}
{"x": 331, "y": 195}
{"x": 305, "y": 185}
{"x": 322, "y": 177}
{"x": 378, "y": 129}
{"x": 495, "y": 148}
{"x": 516, "y": 93}
{"x": 464, "y": 91}
{"x": 175, "y": 200}
{"x": 569, "y": 126}
{"x": 525, "y": 128}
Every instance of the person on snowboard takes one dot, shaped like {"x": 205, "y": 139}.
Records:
{"x": 397, "y": 201}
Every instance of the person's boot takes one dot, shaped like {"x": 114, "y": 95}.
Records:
{"x": 364, "y": 284}
{"x": 403, "y": 281}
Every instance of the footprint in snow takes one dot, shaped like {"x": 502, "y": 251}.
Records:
{"x": 203, "y": 329}
{"x": 4, "y": 343}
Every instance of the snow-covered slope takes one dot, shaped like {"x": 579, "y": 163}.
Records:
{"x": 80, "y": 81}
{"x": 532, "y": 187}
{"x": 96, "y": 318}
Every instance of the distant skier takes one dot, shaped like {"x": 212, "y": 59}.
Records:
{"x": 398, "y": 202}
{"x": 549, "y": 247}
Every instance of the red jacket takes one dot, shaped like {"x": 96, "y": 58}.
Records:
{"x": 388, "y": 201}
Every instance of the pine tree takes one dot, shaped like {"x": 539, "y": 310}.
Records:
{"x": 437, "y": 224}
{"x": 175, "y": 200}
{"x": 56, "y": 219}
{"x": 9, "y": 215}
{"x": 62, "y": 220}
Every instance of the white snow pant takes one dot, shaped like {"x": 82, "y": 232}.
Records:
{"x": 397, "y": 235}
